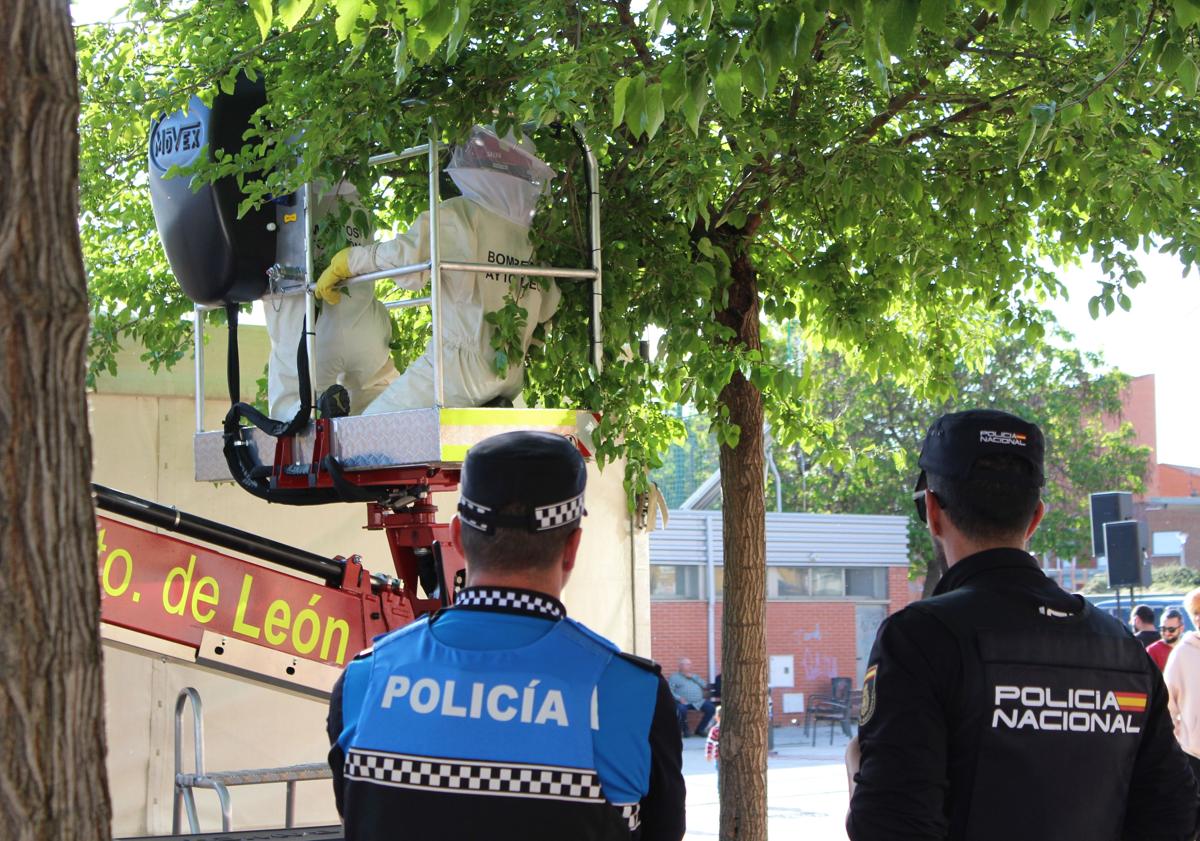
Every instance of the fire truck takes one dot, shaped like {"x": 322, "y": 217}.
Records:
{"x": 223, "y": 641}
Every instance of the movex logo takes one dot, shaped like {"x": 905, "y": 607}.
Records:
{"x": 1012, "y": 439}
{"x": 1070, "y": 710}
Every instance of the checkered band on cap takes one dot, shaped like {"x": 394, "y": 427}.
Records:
{"x": 560, "y": 514}
{"x": 520, "y": 601}
{"x": 470, "y": 513}
{"x": 542, "y": 518}
{"x": 462, "y": 776}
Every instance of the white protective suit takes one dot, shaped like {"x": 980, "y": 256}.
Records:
{"x": 351, "y": 338}
{"x": 501, "y": 181}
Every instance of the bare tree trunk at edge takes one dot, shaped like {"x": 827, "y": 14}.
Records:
{"x": 744, "y": 648}
{"x": 52, "y": 775}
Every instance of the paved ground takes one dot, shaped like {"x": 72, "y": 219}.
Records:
{"x": 806, "y": 788}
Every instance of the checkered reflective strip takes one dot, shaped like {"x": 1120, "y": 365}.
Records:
{"x": 632, "y": 813}
{"x": 466, "y": 508}
{"x": 543, "y": 782}
{"x": 558, "y": 514}
{"x": 523, "y": 601}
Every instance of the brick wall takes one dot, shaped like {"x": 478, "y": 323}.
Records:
{"x": 820, "y": 636}
{"x": 1184, "y": 519}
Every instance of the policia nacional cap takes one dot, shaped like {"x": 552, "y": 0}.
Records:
{"x": 956, "y": 442}
{"x": 535, "y": 478}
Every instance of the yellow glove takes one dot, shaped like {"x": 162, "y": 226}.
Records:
{"x": 339, "y": 270}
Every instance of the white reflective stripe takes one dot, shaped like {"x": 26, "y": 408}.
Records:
{"x": 595, "y": 708}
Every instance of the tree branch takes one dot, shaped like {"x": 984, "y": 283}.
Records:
{"x": 1120, "y": 64}
{"x": 639, "y": 44}
{"x": 899, "y": 102}
{"x": 960, "y": 116}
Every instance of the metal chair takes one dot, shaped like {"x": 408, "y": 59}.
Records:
{"x": 835, "y": 708}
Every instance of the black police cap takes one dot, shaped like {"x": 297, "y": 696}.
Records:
{"x": 957, "y": 441}
{"x": 539, "y": 473}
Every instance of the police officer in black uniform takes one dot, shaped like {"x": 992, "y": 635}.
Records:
{"x": 1003, "y": 708}
{"x": 501, "y": 718}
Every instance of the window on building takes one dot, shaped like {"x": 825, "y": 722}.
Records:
{"x": 828, "y": 581}
{"x": 686, "y": 581}
{"x": 788, "y": 582}
{"x": 867, "y": 583}
{"x": 676, "y": 581}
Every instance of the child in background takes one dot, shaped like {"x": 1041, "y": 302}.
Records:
{"x": 712, "y": 747}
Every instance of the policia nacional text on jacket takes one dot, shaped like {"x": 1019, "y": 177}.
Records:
{"x": 1004, "y": 708}
{"x": 501, "y": 718}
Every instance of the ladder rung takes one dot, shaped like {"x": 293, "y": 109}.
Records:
{"x": 254, "y": 776}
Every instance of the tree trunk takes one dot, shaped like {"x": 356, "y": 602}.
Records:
{"x": 52, "y": 777}
{"x": 744, "y": 648}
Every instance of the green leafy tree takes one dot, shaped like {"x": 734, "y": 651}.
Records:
{"x": 873, "y": 169}
{"x": 868, "y": 464}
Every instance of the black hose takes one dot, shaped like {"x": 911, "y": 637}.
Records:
{"x": 218, "y": 534}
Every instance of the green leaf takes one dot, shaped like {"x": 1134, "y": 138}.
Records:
{"x": 728, "y": 86}
{"x": 781, "y": 35}
{"x": 438, "y": 22}
{"x": 462, "y": 16}
{"x": 1187, "y": 13}
{"x": 694, "y": 105}
{"x": 1025, "y": 140}
{"x": 291, "y": 12}
{"x": 899, "y": 21}
{"x": 1187, "y": 75}
{"x": 1172, "y": 55}
{"x": 933, "y": 14}
{"x": 654, "y": 109}
{"x": 635, "y": 106}
{"x": 754, "y": 77}
{"x": 728, "y": 7}
{"x": 874, "y": 55}
{"x": 1040, "y": 12}
{"x": 262, "y": 16}
{"x": 674, "y": 84}
{"x": 347, "y": 16}
{"x": 619, "y": 92}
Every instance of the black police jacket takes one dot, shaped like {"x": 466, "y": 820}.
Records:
{"x": 1004, "y": 708}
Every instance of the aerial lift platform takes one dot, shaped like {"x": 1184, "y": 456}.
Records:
{"x": 293, "y": 621}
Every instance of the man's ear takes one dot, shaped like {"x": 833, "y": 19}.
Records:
{"x": 935, "y": 514}
{"x": 570, "y": 550}
{"x": 456, "y": 532}
{"x": 1038, "y": 514}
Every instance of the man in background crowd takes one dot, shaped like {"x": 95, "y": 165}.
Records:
{"x": 1142, "y": 620}
{"x": 1172, "y": 633}
{"x": 689, "y": 691}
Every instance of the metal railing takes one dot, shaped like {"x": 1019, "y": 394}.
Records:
{"x": 434, "y": 265}
{"x": 221, "y": 781}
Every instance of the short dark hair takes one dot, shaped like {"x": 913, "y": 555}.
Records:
{"x": 514, "y": 549}
{"x": 989, "y": 508}
{"x": 1172, "y": 613}
{"x": 1144, "y": 612}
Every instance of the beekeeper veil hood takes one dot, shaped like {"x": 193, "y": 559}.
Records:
{"x": 504, "y": 174}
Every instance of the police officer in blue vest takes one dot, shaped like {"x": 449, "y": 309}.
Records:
{"x": 1003, "y": 708}
{"x": 501, "y": 718}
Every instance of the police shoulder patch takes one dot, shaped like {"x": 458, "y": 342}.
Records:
{"x": 867, "y": 708}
